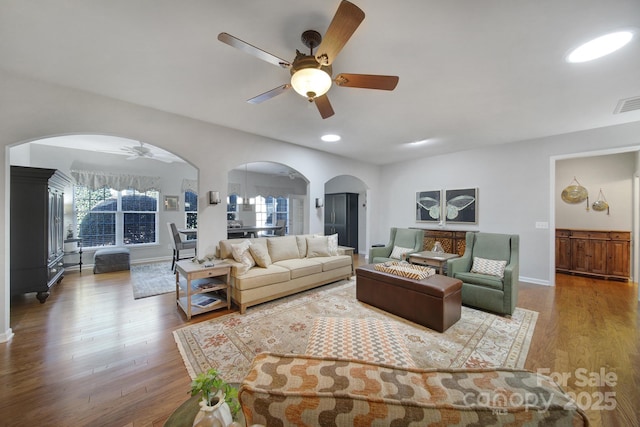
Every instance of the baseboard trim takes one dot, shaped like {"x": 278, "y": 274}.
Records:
{"x": 6, "y": 335}
{"x": 534, "y": 281}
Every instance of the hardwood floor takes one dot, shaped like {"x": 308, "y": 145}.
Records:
{"x": 92, "y": 355}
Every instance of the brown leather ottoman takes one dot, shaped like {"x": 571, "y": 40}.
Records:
{"x": 434, "y": 302}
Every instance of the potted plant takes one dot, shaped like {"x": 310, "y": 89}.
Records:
{"x": 219, "y": 398}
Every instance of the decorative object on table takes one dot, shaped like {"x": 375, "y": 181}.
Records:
{"x": 575, "y": 193}
{"x": 170, "y": 203}
{"x": 428, "y": 206}
{"x": 438, "y": 248}
{"x": 219, "y": 399}
{"x": 405, "y": 269}
{"x": 461, "y": 205}
{"x": 601, "y": 204}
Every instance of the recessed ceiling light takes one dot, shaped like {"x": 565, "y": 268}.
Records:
{"x": 417, "y": 143}
{"x": 600, "y": 46}
{"x": 330, "y": 138}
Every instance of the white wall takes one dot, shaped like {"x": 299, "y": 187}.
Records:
{"x": 611, "y": 173}
{"x": 514, "y": 182}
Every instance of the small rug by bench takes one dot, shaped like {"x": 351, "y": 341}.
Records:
{"x": 370, "y": 340}
{"x": 152, "y": 279}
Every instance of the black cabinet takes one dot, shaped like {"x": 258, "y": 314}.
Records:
{"x": 37, "y": 229}
{"x": 341, "y": 217}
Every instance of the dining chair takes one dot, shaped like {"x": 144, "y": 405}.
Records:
{"x": 179, "y": 244}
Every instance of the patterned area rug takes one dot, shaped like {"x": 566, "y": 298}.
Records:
{"x": 152, "y": 279}
{"x": 229, "y": 343}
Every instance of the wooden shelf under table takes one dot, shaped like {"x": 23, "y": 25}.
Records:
{"x": 199, "y": 279}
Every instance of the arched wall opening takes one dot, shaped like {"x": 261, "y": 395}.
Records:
{"x": 117, "y": 156}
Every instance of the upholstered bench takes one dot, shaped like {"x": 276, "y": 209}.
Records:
{"x": 111, "y": 259}
{"x": 294, "y": 390}
{"x": 434, "y": 302}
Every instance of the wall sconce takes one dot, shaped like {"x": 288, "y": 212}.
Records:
{"x": 214, "y": 197}
{"x": 319, "y": 202}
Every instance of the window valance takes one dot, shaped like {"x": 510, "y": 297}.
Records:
{"x": 190, "y": 185}
{"x": 96, "y": 180}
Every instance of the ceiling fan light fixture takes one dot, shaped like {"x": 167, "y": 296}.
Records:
{"x": 311, "y": 82}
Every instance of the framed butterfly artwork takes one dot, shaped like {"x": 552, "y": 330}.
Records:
{"x": 429, "y": 206}
{"x": 461, "y": 206}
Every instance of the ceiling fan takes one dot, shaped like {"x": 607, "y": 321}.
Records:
{"x": 136, "y": 152}
{"x": 311, "y": 75}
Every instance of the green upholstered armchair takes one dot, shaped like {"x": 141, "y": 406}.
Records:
{"x": 402, "y": 237}
{"x": 487, "y": 291}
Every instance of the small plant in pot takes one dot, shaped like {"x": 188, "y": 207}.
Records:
{"x": 219, "y": 398}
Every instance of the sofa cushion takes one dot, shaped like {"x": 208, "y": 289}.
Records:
{"x": 488, "y": 266}
{"x": 300, "y": 267}
{"x": 333, "y": 262}
{"x": 260, "y": 254}
{"x": 317, "y": 246}
{"x": 258, "y": 277}
{"x": 481, "y": 279}
{"x": 281, "y": 248}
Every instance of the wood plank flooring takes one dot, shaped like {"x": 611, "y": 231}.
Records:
{"x": 92, "y": 355}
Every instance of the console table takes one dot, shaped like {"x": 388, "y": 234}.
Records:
{"x": 76, "y": 251}
{"x": 453, "y": 241}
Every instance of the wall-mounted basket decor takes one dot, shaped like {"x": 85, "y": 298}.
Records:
{"x": 575, "y": 193}
{"x": 601, "y": 204}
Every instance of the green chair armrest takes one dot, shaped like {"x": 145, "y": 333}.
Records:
{"x": 380, "y": 251}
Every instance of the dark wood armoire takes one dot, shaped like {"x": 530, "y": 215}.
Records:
{"x": 37, "y": 229}
{"x": 341, "y": 217}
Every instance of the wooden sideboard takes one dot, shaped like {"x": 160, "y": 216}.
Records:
{"x": 604, "y": 254}
{"x": 453, "y": 241}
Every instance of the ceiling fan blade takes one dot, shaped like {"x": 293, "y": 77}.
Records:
{"x": 324, "y": 106}
{"x": 252, "y": 50}
{"x": 269, "y": 94}
{"x": 345, "y": 22}
{"x": 367, "y": 81}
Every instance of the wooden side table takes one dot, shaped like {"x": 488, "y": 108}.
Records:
{"x": 202, "y": 280}
{"x": 432, "y": 259}
{"x": 349, "y": 251}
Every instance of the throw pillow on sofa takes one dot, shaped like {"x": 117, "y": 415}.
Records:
{"x": 333, "y": 243}
{"x": 260, "y": 254}
{"x": 317, "y": 247}
{"x": 282, "y": 248}
{"x": 241, "y": 254}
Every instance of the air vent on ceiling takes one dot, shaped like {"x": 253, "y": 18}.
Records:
{"x": 626, "y": 105}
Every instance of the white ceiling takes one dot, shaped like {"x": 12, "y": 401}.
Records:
{"x": 472, "y": 72}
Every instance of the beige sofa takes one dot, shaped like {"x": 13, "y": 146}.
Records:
{"x": 285, "y": 265}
